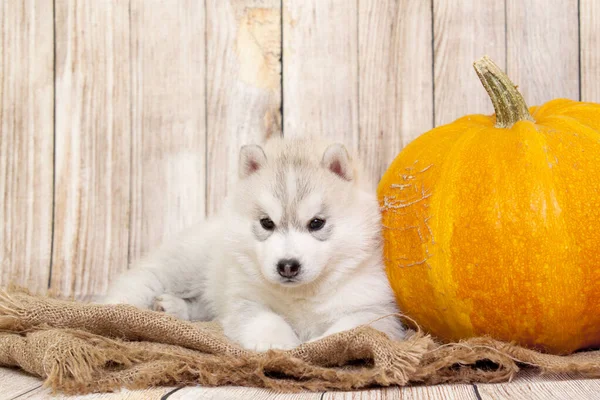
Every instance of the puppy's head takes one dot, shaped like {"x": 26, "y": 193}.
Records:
{"x": 302, "y": 212}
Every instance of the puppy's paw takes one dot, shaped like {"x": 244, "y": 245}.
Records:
{"x": 262, "y": 346}
{"x": 390, "y": 325}
{"x": 327, "y": 333}
{"x": 315, "y": 339}
{"x": 397, "y": 333}
{"x": 171, "y": 305}
{"x": 120, "y": 297}
{"x": 112, "y": 299}
{"x": 264, "y": 332}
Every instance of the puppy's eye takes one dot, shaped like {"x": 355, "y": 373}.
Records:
{"x": 267, "y": 224}
{"x": 315, "y": 224}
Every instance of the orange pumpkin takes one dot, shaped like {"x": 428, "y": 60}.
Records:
{"x": 492, "y": 223}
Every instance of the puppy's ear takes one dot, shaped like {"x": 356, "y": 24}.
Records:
{"x": 252, "y": 158}
{"x": 337, "y": 160}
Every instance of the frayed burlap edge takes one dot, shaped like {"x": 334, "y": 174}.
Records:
{"x": 82, "y": 348}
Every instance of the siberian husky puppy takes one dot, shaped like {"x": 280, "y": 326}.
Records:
{"x": 295, "y": 254}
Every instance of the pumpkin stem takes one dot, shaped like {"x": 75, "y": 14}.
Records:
{"x": 509, "y": 105}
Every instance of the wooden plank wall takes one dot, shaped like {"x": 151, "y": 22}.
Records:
{"x": 121, "y": 120}
{"x": 92, "y": 144}
{"x": 26, "y": 142}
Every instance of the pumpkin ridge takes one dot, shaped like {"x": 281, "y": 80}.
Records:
{"x": 400, "y": 187}
{"x": 580, "y": 210}
{"x": 441, "y": 275}
{"x": 550, "y": 108}
{"x": 580, "y": 127}
{"x": 559, "y": 227}
{"x": 562, "y": 106}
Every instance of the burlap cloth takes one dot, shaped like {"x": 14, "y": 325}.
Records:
{"x": 83, "y": 348}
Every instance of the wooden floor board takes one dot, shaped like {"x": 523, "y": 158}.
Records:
{"x": 450, "y": 392}
{"x": 447, "y": 392}
{"x": 235, "y": 393}
{"x": 15, "y": 384}
{"x": 150, "y": 394}
{"x": 373, "y": 394}
{"x": 530, "y": 385}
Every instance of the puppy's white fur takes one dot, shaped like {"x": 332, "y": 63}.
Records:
{"x": 226, "y": 267}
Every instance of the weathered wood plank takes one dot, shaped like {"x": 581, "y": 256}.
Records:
{"x": 15, "y": 383}
{"x": 149, "y": 394}
{"x": 542, "y": 48}
{"x": 392, "y": 393}
{"x": 26, "y": 142}
{"x": 395, "y": 78}
{"x": 320, "y": 69}
{"x": 531, "y": 386}
{"x": 168, "y": 120}
{"x": 235, "y": 393}
{"x": 447, "y": 392}
{"x": 92, "y": 144}
{"x": 243, "y": 85}
{"x": 589, "y": 20}
{"x": 464, "y": 31}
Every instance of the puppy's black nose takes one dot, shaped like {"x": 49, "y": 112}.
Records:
{"x": 288, "y": 268}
